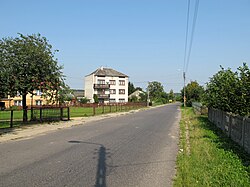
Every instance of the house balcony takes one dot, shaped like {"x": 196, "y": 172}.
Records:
{"x": 101, "y": 86}
{"x": 103, "y": 96}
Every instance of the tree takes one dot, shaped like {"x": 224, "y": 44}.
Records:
{"x": 84, "y": 100}
{"x": 131, "y": 88}
{"x": 155, "y": 90}
{"x": 95, "y": 97}
{"x": 171, "y": 95}
{"x": 230, "y": 91}
{"x": 29, "y": 64}
{"x": 194, "y": 92}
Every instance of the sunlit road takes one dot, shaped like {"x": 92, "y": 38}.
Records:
{"x": 137, "y": 149}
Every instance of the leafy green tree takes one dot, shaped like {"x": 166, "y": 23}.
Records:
{"x": 143, "y": 97}
{"x": 155, "y": 90}
{"x": 29, "y": 64}
{"x": 230, "y": 91}
{"x": 95, "y": 97}
{"x": 194, "y": 92}
{"x": 243, "y": 98}
{"x": 131, "y": 88}
{"x": 84, "y": 100}
{"x": 157, "y": 93}
{"x": 133, "y": 99}
{"x": 171, "y": 95}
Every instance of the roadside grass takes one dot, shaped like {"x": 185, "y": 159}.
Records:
{"x": 208, "y": 157}
{"x": 5, "y": 116}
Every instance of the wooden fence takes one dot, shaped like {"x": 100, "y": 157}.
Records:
{"x": 9, "y": 118}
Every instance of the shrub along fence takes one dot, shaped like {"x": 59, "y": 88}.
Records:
{"x": 199, "y": 108}
{"x": 236, "y": 127}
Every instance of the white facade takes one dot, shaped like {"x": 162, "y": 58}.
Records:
{"x": 109, "y": 85}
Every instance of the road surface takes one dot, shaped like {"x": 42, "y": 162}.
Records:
{"x": 137, "y": 149}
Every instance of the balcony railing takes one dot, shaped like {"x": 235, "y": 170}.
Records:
{"x": 103, "y": 96}
{"x": 101, "y": 86}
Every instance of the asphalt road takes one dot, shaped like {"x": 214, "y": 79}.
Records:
{"x": 131, "y": 150}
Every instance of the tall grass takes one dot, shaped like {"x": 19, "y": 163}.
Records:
{"x": 214, "y": 160}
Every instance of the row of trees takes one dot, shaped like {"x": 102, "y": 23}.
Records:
{"x": 230, "y": 91}
{"x": 226, "y": 90}
{"x": 156, "y": 93}
{"x": 27, "y": 63}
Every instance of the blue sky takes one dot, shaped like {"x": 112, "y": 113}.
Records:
{"x": 144, "y": 39}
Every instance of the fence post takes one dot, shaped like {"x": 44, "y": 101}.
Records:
{"x": 31, "y": 115}
{"x": 11, "y": 119}
{"x": 61, "y": 113}
{"x": 41, "y": 114}
{"x": 110, "y": 109}
{"x": 103, "y": 108}
{"x": 68, "y": 114}
{"x": 116, "y": 106}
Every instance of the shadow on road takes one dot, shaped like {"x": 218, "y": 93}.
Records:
{"x": 101, "y": 165}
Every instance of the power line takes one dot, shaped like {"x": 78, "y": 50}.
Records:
{"x": 192, "y": 35}
{"x": 187, "y": 57}
{"x": 186, "y": 41}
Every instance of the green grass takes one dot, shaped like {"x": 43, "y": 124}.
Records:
{"x": 214, "y": 159}
{"x": 74, "y": 112}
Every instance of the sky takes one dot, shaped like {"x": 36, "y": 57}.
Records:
{"x": 144, "y": 39}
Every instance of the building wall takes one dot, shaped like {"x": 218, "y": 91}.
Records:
{"x": 89, "y": 89}
{"x": 17, "y": 100}
{"x": 119, "y": 96}
{"x": 114, "y": 97}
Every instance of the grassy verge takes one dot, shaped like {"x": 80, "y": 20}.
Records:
{"x": 208, "y": 157}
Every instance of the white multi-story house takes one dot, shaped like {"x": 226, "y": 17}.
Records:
{"x": 109, "y": 85}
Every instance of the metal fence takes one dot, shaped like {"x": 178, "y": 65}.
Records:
{"x": 236, "y": 127}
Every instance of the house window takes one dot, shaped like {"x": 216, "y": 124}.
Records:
{"x": 100, "y": 81}
{"x": 18, "y": 103}
{"x": 112, "y": 100}
{"x": 38, "y": 92}
{"x": 121, "y": 100}
{"x": 39, "y": 102}
{"x": 121, "y": 91}
{"x": 122, "y": 82}
{"x": 112, "y": 91}
{"x": 112, "y": 82}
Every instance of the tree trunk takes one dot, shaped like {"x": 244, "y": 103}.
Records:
{"x": 25, "y": 113}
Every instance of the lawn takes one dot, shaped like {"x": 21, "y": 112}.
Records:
{"x": 207, "y": 157}
{"x": 5, "y": 116}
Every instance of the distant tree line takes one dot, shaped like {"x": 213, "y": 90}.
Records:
{"x": 156, "y": 93}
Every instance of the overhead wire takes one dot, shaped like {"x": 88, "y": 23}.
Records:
{"x": 186, "y": 41}
{"x": 192, "y": 34}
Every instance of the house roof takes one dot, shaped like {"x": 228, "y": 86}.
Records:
{"x": 107, "y": 72}
{"x": 136, "y": 93}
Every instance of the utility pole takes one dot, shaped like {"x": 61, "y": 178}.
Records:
{"x": 184, "y": 89}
